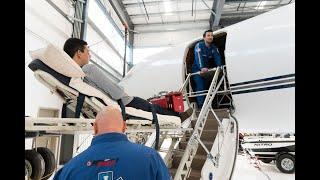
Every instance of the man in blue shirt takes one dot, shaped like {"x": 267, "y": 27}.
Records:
{"x": 204, "y": 52}
{"x": 112, "y": 156}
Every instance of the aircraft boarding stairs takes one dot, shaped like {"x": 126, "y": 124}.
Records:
{"x": 187, "y": 159}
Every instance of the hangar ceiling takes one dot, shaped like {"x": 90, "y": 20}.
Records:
{"x": 175, "y": 15}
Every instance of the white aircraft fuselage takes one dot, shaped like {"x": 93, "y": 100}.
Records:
{"x": 260, "y": 63}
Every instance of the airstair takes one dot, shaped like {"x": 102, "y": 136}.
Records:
{"x": 193, "y": 149}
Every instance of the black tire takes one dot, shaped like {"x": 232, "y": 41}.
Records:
{"x": 49, "y": 161}
{"x": 37, "y": 163}
{"x": 286, "y": 163}
{"x": 28, "y": 169}
{"x": 266, "y": 160}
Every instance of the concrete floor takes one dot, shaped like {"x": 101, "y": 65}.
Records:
{"x": 245, "y": 170}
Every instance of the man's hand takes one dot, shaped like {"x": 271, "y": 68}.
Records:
{"x": 203, "y": 70}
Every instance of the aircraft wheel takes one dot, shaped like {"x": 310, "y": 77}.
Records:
{"x": 266, "y": 160}
{"x": 286, "y": 163}
{"x": 37, "y": 164}
{"x": 49, "y": 161}
{"x": 28, "y": 169}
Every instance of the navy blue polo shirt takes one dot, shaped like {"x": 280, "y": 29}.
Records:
{"x": 112, "y": 156}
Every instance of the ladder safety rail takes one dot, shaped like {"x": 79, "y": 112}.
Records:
{"x": 192, "y": 145}
{"x": 191, "y": 74}
{"x": 209, "y": 155}
{"x": 187, "y": 82}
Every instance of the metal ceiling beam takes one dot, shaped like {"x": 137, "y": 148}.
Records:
{"x": 247, "y": 1}
{"x": 155, "y": 3}
{"x": 173, "y": 23}
{"x": 217, "y": 7}
{"x": 173, "y": 12}
{"x": 124, "y": 17}
{"x": 173, "y": 29}
{"x": 242, "y": 14}
{"x": 121, "y": 12}
{"x": 269, "y": 7}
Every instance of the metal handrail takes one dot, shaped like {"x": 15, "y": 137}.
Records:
{"x": 193, "y": 143}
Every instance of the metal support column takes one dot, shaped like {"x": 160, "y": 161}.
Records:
{"x": 215, "y": 18}
{"x": 80, "y": 19}
{"x": 124, "y": 17}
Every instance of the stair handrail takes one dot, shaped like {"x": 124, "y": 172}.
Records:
{"x": 192, "y": 145}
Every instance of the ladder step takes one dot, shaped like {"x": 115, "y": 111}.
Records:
{"x": 200, "y": 150}
{"x": 221, "y": 113}
{"x": 197, "y": 161}
{"x": 194, "y": 174}
{"x": 208, "y": 135}
{"x": 210, "y": 124}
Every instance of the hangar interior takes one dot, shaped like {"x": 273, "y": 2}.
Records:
{"x": 120, "y": 35}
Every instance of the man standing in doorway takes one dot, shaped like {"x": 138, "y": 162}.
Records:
{"x": 204, "y": 52}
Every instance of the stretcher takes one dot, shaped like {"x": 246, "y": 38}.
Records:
{"x": 64, "y": 78}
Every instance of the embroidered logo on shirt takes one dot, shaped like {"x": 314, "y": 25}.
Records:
{"x": 107, "y": 176}
{"x": 102, "y": 163}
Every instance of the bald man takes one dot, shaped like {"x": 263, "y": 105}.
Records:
{"x": 111, "y": 156}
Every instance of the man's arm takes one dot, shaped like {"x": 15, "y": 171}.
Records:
{"x": 216, "y": 55}
{"x": 198, "y": 56}
{"x": 99, "y": 79}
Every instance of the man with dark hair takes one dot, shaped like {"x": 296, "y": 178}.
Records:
{"x": 112, "y": 156}
{"x": 78, "y": 50}
{"x": 204, "y": 52}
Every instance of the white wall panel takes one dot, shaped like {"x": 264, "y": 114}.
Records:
{"x": 43, "y": 24}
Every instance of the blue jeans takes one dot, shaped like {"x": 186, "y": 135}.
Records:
{"x": 200, "y": 84}
{"x": 144, "y": 105}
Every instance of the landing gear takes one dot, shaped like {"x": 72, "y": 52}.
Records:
{"x": 28, "y": 169}
{"x": 37, "y": 163}
{"x": 49, "y": 161}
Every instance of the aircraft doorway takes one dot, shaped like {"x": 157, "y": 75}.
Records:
{"x": 223, "y": 98}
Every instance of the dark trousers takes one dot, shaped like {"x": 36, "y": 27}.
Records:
{"x": 144, "y": 105}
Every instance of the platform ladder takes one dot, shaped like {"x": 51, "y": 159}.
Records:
{"x": 184, "y": 167}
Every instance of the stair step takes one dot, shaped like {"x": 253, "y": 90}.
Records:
{"x": 210, "y": 124}
{"x": 208, "y": 135}
{"x": 197, "y": 161}
{"x": 200, "y": 150}
{"x": 221, "y": 113}
{"x": 194, "y": 174}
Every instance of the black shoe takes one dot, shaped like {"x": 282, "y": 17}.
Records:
{"x": 185, "y": 115}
